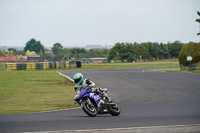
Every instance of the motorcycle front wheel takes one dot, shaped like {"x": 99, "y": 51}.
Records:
{"x": 89, "y": 109}
{"x": 114, "y": 108}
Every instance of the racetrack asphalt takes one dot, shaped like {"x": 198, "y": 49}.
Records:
{"x": 145, "y": 98}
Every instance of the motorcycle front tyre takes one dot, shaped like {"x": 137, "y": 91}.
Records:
{"x": 114, "y": 110}
{"x": 88, "y": 109}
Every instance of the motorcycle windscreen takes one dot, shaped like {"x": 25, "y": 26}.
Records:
{"x": 105, "y": 90}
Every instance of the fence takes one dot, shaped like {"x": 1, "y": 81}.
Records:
{"x": 32, "y": 66}
{"x": 75, "y": 64}
{"x": 191, "y": 67}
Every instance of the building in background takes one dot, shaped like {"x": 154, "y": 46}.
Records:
{"x": 12, "y": 59}
{"x": 34, "y": 58}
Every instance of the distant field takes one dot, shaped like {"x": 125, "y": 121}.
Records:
{"x": 130, "y": 65}
{"x": 34, "y": 91}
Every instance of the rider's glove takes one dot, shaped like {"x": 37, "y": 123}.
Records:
{"x": 88, "y": 81}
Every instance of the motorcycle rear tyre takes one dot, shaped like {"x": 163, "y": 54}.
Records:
{"x": 88, "y": 109}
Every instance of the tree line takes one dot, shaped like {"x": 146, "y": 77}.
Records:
{"x": 75, "y": 53}
{"x": 59, "y": 52}
{"x": 129, "y": 52}
{"x": 120, "y": 52}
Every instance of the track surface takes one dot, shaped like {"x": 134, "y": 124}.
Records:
{"x": 145, "y": 98}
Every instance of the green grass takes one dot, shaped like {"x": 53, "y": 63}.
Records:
{"x": 34, "y": 91}
{"x": 198, "y": 71}
{"x": 166, "y": 70}
{"x": 129, "y": 65}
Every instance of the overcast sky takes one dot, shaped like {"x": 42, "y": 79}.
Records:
{"x": 87, "y": 22}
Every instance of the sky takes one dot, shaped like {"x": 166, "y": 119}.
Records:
{"x": 106, "y": 22}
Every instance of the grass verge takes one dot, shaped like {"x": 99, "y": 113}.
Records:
{"x": 173, "y": 70}
{"x": 198, "y": 71}
{"x": 34, "y": 91}
{"x": 166, "y": 70}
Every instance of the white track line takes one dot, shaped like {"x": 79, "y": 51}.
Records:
{"x": 150, "y": 129}
{"x": 54, "y": 110}
{"x": 65, "y": 76}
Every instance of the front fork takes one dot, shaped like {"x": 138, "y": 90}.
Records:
{"x": 87, "y": 100}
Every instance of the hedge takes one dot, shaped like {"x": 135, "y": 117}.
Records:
{"x": 192, "y": 50}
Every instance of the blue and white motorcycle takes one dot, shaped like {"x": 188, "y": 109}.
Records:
{"x": 93, "y": 103}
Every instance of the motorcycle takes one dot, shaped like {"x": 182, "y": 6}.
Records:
{"x": 93, "y": 103}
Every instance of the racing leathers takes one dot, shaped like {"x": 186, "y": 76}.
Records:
{"x": 90, "y": 85}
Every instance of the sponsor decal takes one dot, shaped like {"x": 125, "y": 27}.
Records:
{"x": 96, "y": 97}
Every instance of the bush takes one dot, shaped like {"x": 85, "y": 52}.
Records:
{"x": 192, "y": 50}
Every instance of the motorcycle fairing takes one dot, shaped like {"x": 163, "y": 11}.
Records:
{"x": 85, "y": 93}
{"x": 95, "y": 97}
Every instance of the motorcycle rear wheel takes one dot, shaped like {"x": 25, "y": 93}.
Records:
{"x": 89, "y": 109}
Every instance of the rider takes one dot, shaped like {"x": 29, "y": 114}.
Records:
{"x": 80, "y": 82}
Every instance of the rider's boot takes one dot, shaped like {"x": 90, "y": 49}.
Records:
{"x": 100, "y": 91}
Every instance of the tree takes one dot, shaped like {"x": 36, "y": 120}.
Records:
{"x": 1, "y": 53}
{"x": 140, "y": 51}
{"x": 6, "y": 53}
{"x": 14, "y": 50}
{"x": 129, "y": 55}
{"x": 57, "y": 48}
{"x": 117, "y": 52}
{"x": 175, "y": 48}
{"x": 164, "y": 51}
{"x": 155, "y": 50}
{"x": 96, "y": 53}
{"x": 33, "y": 45}
{"x": 30, "y": 53}
{"x": 58, "y": 56}
{"x": 198, "y": 20}
{"x": 58, "y": 52}
{"x": 78, "y": 53}
{"x": 117, "y": 57}
{"x": 148, "y": 50}
{"x": 192, "y": 50}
